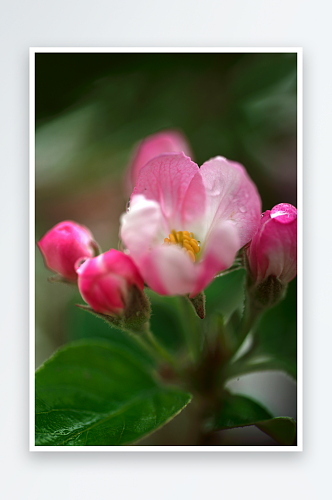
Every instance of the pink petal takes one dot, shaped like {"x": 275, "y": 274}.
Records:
{"x": 168, "y": 141}
{"x": 166, "y": 180}
{"x": 143, "y": 226}
{"x": 108, "y": 294}
{"x": 63, "y": 245}
{"x": 121, "y": 265}
{"x": 168, "y": 270}
{"x": 217, "y": 255}
{"x": 231, "y": 195}
{"x": 105, "y": 281}
{"x": 252, "y": 248}
{"x": 273, "y": 249}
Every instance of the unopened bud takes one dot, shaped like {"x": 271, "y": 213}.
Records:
{"x": 113, "y": 287}
{"x": 63, "y": 245}
{"x": 271, "y": 256}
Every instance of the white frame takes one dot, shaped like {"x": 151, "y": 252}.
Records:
{"x": 299, "y": 52}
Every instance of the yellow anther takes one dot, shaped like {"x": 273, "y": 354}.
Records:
{"x": 172, "y": 238}
{"x": 194, "y": 245}
{"x": 179, "y": 235}
{"x": 185, "y": 240}
{"x": 187, "y": 246}
{"x": 191, "y": 255}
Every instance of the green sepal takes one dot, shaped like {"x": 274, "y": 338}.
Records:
{"x": 198, "y": 303}
{"x": 135, "y": 317}
{"x": 57, "y": 278}
{"x": 266, "y": 294}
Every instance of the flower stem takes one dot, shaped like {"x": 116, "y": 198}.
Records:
{"x": 158, "y": 348}
{"x": 192, "y": 333}
{"x": 250, "y": 317}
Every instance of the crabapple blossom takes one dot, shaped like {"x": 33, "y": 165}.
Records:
{"x": 185, "y": 224}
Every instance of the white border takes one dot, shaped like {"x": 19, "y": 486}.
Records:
{"x": 32, "y": 52}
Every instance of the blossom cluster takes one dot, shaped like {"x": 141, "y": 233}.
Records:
{"x": 184, "y": 225}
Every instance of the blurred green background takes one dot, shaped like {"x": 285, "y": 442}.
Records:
{"x": 91, "y": 109}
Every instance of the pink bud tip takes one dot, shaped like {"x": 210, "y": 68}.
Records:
{"x": 105, "y": 281}
{"x": 63, "y": 245}
{"x": 273, "y": 248}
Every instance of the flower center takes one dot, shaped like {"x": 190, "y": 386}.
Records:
{"x": 185, "y": 240}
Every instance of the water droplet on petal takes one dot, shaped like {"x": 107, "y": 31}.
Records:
{"x": 128, "y": 206}
{"x": 242, "y": 209}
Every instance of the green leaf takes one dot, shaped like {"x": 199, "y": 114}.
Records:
{"x": 166, "y": 321}
{"x": 93, "y": 393}
{"x": 80, "y": 325}
{"x": 282, "y": 429}
{"x": 226, "y": 294}
{"x": 238, "y": 411}
{"x": 275, "y": 341}
{"x": 277, "y": 333}
{"x": 241, "y": 411}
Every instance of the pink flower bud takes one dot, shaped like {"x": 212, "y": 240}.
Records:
{"x": 63, "y": 245}
{"x": 105, "y": 282}
{"x": 167, "y": 141}
{"x": 273, "y": 248}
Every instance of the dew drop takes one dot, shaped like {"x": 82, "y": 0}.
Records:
{"x": 242, "y": 209}
{"x": 128, "y": 206}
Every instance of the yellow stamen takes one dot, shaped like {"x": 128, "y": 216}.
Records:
{"x": 179, "y": 235}
{"x": 187, "y": 246}
{"x": 194, "y": 244}
{"x": 172, "y": 238}
{"x": 185, "y": 240}
{"x": 191, "y": 255}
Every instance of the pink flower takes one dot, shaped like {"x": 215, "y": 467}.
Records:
{"x": 63, "y": 245}
{"x": 272, "y": 250}
{"x": 185, "y": 224}
{"x": 168, "y": 141}
{"x": 105, "y": 281}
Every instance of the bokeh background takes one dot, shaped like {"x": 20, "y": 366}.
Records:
{"x": 91, "y": 109}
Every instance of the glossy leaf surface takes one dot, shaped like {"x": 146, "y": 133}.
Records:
{"x": 94, "y": 393}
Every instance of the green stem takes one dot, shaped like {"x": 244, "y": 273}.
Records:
{"x": 158, "y": 348}
{"x": 191, "y": 331}
{"x": 250, "y": 317}
{"x": 142, "y": 343}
